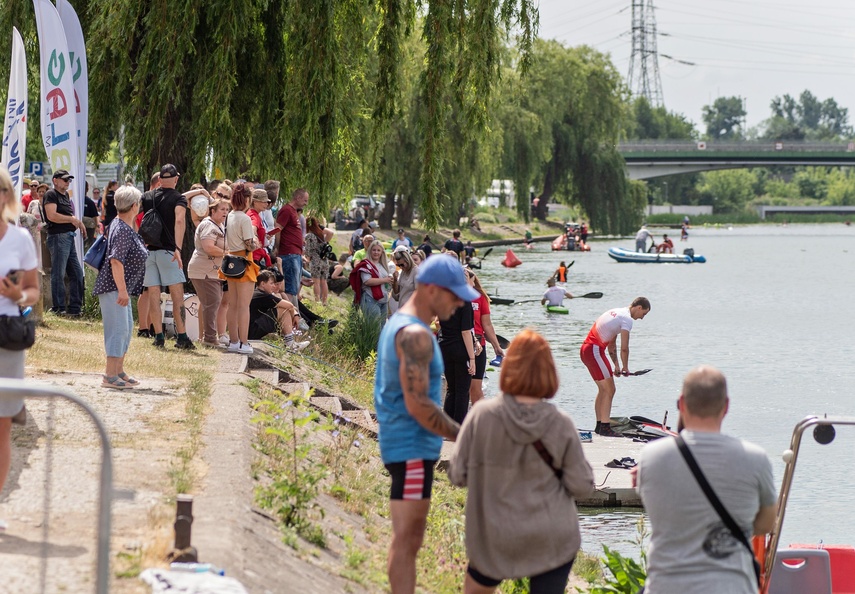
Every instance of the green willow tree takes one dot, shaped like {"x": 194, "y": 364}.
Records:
{"x": 291, "y": 89}
{"x": 562, "y": 130}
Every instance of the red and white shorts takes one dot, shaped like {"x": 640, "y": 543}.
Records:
{"x": 411, "y": 480}
{"x": 596, "y": 359}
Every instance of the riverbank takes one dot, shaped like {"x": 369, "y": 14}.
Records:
{"x": 213, "y": 425}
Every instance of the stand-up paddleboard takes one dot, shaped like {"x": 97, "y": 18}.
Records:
{"x": 557, "y": 309}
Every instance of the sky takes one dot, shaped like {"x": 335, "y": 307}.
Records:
{"x": 756, "y": 49}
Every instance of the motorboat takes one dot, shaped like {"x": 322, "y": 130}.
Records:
{"x": 623, "y": 255}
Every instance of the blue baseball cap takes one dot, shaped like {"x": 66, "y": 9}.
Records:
{"x": 446, "y": 272}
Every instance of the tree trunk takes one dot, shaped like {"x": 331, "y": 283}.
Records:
{"x": 405, "y": 211}
{"x": 385, "y": 218}
{"x": 541, "y": 210}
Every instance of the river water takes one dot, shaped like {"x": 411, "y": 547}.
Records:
{"x": 772, "y": 308}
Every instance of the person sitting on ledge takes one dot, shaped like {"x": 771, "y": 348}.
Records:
{"x": 270, "y": 314}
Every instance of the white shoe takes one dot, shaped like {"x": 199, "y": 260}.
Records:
{"x": 245, "y": 348}
{"x": 233, "y": 347}
{"x": 224, "y": 340}
{"x": 298, "y": 346}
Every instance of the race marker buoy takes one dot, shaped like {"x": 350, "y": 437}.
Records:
{"x": 511, "y": 260}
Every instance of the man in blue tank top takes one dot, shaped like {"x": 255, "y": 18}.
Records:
{"x": 409, "y": 407}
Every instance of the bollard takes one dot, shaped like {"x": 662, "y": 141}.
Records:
{"x": 183, "y": 551}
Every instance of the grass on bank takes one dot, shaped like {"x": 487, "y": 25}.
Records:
{"x": 746, "y": 218}
{"x": 306, "y": 456}
{"x": 64, "y": 344}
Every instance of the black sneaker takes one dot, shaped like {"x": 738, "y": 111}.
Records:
{"x": 185, "y": 344}
{"x": 143, "y": 334}
{"x": 608, "y": 432}
{"x": 331, "y": 323}
{"x": 159, "y": 343}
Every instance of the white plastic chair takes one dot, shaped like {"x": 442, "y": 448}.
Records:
{"x": 801, "y": 571}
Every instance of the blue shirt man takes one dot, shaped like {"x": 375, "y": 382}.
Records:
{"x": 408, "y": 404}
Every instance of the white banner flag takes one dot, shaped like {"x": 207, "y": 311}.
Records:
{"x": 15, "y": 125}
{"x": 80, "y": 76}
{"x": 58, "y": 118}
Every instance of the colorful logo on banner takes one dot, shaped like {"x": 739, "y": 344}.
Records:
{"x": 15, "y": 124}
{"x": 58, "y": 117}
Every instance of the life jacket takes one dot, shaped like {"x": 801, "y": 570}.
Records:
{"x": 562, "y": 274}
{"x": 355, "y": 280}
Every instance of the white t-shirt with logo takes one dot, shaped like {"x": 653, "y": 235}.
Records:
{"x": 17, "y": 252}
{"x": 611, "y": 323}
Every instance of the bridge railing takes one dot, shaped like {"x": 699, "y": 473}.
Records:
{"x": 753, "y": 146}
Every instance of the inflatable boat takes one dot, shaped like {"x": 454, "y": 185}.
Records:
{"x": 687, "y": 257}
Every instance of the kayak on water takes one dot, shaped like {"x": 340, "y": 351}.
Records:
{"x": 557, "y": 309}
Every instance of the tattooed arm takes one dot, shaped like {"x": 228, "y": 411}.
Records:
{"x": 415, "y": 351}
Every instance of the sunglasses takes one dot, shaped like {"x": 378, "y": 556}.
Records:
{"x": 221, "y": 195}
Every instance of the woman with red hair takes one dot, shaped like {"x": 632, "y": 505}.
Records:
{"x": 522, "y": 460}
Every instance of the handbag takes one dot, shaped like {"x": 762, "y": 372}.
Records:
{"x": 17, "y": 333}
{"x": 233, "y": 267}
{"x": 716, "y": 503}
{"x": 96, "y": 253}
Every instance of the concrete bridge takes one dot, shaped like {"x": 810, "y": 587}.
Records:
{"x": 655, "y": 158}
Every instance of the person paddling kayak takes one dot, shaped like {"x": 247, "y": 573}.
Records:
{"x": 561, "y": 273}
{"x": 554, "y": 295}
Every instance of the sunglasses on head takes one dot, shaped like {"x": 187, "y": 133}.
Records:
{"x": 221, "y": 195}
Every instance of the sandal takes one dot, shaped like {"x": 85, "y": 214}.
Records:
{"x": 128, "y": 379}
{"x": 114, "y": 382}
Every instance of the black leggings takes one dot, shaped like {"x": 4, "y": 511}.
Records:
{"x": 458, "y": 381}
{"x": 553, "y": 581}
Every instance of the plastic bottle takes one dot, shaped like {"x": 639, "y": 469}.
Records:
{"x": 196, "y": 568}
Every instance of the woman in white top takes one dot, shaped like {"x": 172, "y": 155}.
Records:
{"x": 19, "y": 287}
{"x": 241, "y": 240}
{"x": 204, "y": 267}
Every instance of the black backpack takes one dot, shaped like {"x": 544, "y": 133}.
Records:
{"x": 151, "y": 226}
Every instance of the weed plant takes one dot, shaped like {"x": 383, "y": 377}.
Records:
{"x": 627, "y": 574}
{"x": 293, "y": 476}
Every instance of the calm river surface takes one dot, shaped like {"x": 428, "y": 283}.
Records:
{"x": 773, "y": 308}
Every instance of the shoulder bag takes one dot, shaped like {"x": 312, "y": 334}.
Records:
{"x": 96, "y": 253}
{"x": 17, "y": 333}
{"x": 716, "y": 503}
{"x": 233, "y": 267}
{"x": 547, "y": 457}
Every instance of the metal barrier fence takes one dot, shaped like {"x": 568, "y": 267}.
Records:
{"x": 10, "y": 388}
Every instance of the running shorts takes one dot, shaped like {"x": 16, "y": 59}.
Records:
{"x": 411, "y": 480}
{"x": 596, "y": 359}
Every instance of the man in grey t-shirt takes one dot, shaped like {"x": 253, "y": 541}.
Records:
{"x": 691, "y": 550}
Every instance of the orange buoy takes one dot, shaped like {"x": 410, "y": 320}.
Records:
{"x": 511, "y": 260}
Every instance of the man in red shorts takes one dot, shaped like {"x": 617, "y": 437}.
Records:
{"x": 603, "y": 335}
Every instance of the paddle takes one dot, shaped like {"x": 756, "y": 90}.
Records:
{"x": 641, "y": 372}
{"x": 503, "y": 342}
{"x": 595, "y": 295}
{"x": 486, "y": 253}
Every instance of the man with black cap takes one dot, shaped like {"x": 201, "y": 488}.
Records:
{"x": 163, "y": 267}
{"x": 61, "y": 227}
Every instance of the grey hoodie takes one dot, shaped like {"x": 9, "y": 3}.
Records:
{"x": 520, "y": 519}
